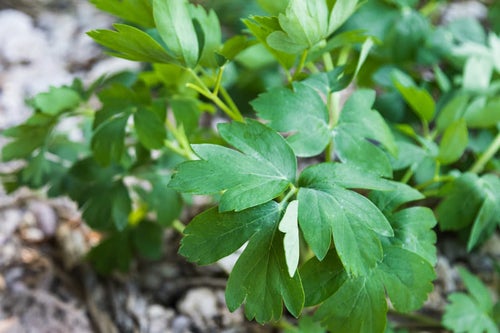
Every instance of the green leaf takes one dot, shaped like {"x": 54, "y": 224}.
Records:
{"x": 407, "y": 278}
{"x": 301, "y": 112}
{"x": 108, "y": 139}
{"x": 261, "y": 27}
{"x": 306, "y": 325}
{"x": 135, "y": 11}
{"x": 359, "y": 304}
{"x": 453, "y": 142}
{"x": 388, "y": 201}
{"x": 57, "y": 100}
{"x": 186, "y": 112}
{"x": 121, "y": 205}
{"x": 27, "y": 137}
{"x": 327, "y": 210}
{"x": 164, "y": 201}
{"x": 462, "y": 201}
{"x": 413, "y": 232}
{"x": 209, "y": 25}
{"x": 147, "y": 238}
{"x": 100, "y": 212}
{"x": 114, "y": 252}
{"x": 303, "y": 25}
{"x": 420, "y": 101}
{"x": 131, "y": 43}
{"x": 150, "y": 128}
{"x": 477, "y": 73}
{"x": 260, "y": 279}
{"x": 262, "y": 170}
{"x": 488, "y": 216}
{"x": 289, "y": 226}
{"x": 470, "y": 313}
{"x": 452, "y": 111}
{"x": 274, "y": 7}
{"x": 342, "y": 10}
{"x": 176, "y": 30}
{"x": 322, "y": 278}
{"x": 212, "y": 235}
{"x": 358, "y": 123}
{"x": 328, "y": 175}
{"x": 484, "y": 116}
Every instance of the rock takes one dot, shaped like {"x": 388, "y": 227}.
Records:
{"x": 464, "y": 9}
{"x": 200, "y": 305}
{"x": 10, "y": 221}
{"x": 45, "y": 216}
{"x": 181, "y": 324}
{"x": 159, "y": 319}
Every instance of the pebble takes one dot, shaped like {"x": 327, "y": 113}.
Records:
{"x": 45, "y": 216}
{"x": 10, "y": 220}
{"x": 159, "y": 319}
{"x": 201, "y": 305}
{"x": 181, "y": 324}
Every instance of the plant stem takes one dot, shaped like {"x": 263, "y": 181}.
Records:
{"x": 425, "y": 320}
{"x": 291, "y": 193}
{"x": 486, "y": 156}
{"x": 202, "y": 88}
{"x": 327, "y": 60}
{"x": 218, "y": 80}
{"x": 179, "y": 226}
{"x": 407, "y": 176}
{"x": 439, "y": 179}
{"x": 301, "y": 65}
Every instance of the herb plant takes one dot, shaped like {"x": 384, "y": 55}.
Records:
{"x": 326, "y": 197}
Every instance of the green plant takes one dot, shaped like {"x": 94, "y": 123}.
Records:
{"x": 472, "y": 313}
{"x": 324, "y": 195}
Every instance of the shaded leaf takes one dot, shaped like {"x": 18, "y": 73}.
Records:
{"x": 131, "y": 43}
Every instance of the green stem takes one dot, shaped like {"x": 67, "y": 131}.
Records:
{"x": 407, "y": 176}
{"x": 202, "y": 88}
{"x": 327, "y": 61}
{"x": 312, "y": 68}
{"x": 218, "y": 80}
{"x": 183, "y": 147}
{"x": 486, "y": 156}
{"x": 179, "y": 226}
{"x": 301, "y": 65}
{"x": 425, "y": 129}
{"x": 290, "y": 194}
{"x": 284, "y": 324}
{"x": 423, "y": 319}
{"x": 227, "y": 98}
{"x": 439, "y": 179}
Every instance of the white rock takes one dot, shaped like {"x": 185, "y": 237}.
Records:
{"x": 201, "y": 305}
{"x": 45, "y": 216}
{"x": 159, "y": 319}
{"x": 463, "y": 9}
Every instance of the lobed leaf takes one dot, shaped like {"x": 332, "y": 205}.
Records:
{"x": 260, "y": 279}
{"x": 470, "y": 312}
{"x": 134, "y": 11}
{"x": 327, "y": 210}
{"x": 176, "y": 29}
{"x": 453, "y": 142}
{"x": 357, "y": 123}
{"x": 133, "y": 44}
{"x": 57, "y": 100}
{"x": 358, "y": 304}
{"x": 264, "y": 168}
{"x": 301, "y": 112}
{"x": 291, "y": 242}
{"x": 212, "y": 235}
